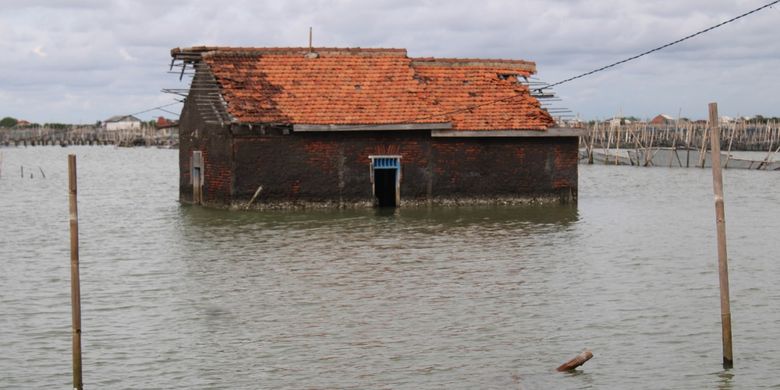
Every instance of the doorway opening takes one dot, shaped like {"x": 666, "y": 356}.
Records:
{"x": 386, "y": 180}
{"x": 197, "y": 177}
{"x": 384, "y": 187}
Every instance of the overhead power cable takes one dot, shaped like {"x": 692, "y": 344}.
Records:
{"x": 610, "y": 65}
{"x": 661, "y": 47}
{"x": 163, "y": 106}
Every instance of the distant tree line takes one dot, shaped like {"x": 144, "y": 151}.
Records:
{"x": 8, "y": 122}
{"x": 11, "y": 123}
{"x": 763, "y": 119}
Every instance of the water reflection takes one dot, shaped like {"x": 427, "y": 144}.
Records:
{"x": 549, "y": 215}
{"x": 725, "y": 380}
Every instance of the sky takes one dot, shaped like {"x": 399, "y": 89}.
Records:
{"x": 80, "y": 61}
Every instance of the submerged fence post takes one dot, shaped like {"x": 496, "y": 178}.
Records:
{"x": 720, "y": 221}
{"x": 75, "y": 288}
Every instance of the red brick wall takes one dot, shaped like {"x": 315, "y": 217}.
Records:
{"x": 214, "y": 142}
{"x": 321, "y": 167}
{"x": 335, "y": 166}
{"x": 504, "y": 166}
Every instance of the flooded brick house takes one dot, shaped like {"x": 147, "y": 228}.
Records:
{"x": 280, "y": 127}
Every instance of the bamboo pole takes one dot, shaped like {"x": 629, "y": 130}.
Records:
{"x": 75, "y": 288}
{"x": 609, "y": 142}
{"x": 769, "y": 153}
{"x": 260, "y": 188}
{"x": 720, "y": 221}
{"x": 617, "y": 146}
{"x": 703, "y": 150}
{"x": 688, "y": 136}
{"x": 731, "y": 140}
{"x": 649, "y": 150}
{"x": 768, "y": 159}
{"x": 590, "y": 146}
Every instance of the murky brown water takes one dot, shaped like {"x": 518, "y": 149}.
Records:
{"x": 463, "y": 298}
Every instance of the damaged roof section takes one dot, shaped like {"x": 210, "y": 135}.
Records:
{"x": 354, "y": 86}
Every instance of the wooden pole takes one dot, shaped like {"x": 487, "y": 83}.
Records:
{"x": 75, "y": 288}
{"x": 731, "y": 140}
{"x": 720, "y": 221}
{"x": 260, "y": 188}
{"x": 688, "y": 137}
{"x": 617, "y": 146}
{"x": 703, "y": 150}
{"x": 590, "y": 142}
{"x": 649, "y": 150}
{"x": 609, "y": 142}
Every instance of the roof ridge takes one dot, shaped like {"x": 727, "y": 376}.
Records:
{"x": 257, "y": 51}
{"x": 523, "y": 65}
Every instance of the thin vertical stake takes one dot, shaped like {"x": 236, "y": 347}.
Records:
{"x": 720, "y": 221}
{"x": 310, "y": 47}
{"x": 75, "y": 289}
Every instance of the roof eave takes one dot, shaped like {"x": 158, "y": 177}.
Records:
{"x": 550, "y": 132}
{"x": 303, "y": 128}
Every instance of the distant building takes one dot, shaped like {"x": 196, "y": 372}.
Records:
{"x": 618, "y": 121}
{"x": 162, "y": 122}
{"x": 166, "y": 128}
{"x": 662, "y": 119}
{"x": 576, "y": 123}
{"x": 122, "y": 122}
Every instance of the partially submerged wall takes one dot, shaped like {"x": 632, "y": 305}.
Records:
{"x": 214, "y": 142}
{"x": 333, "y": 169}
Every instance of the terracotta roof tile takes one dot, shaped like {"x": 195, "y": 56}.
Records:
{"x": 372, "y": 86}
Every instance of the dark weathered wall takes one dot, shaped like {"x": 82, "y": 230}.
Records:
{"x": 325, "y": 167}
{"x": 334, "y": 167}
{"x": 504, "y": 167}
{"x": 214, "y": 141}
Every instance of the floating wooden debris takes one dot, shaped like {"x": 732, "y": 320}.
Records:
{"x": 576, "y": 361}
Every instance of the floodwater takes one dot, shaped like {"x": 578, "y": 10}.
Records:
{"x": 178, "y": 297}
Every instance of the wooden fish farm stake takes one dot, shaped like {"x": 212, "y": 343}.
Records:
{"x": 576, "y": 361}
{"x": 260, "y": 188}
{"x": 75, "y": 289}
{"x": 720, "y": 221}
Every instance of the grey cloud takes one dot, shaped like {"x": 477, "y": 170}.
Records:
{"x": 82, "y": 41}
